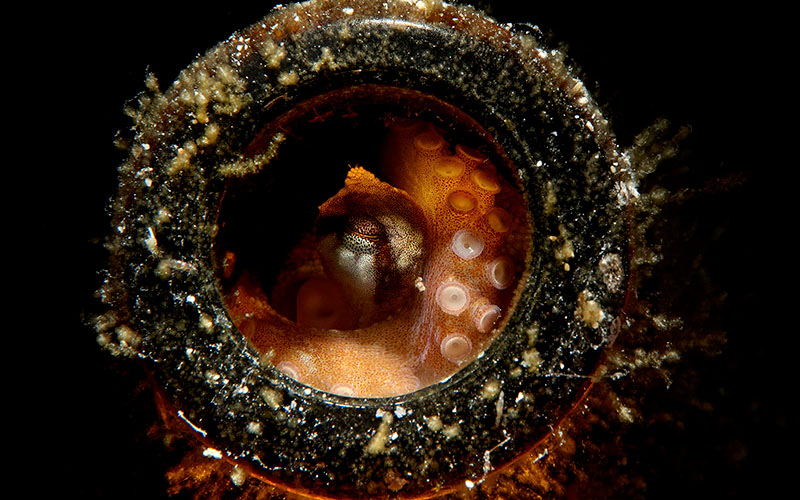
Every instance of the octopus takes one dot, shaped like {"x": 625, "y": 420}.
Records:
{"x": 400, "y": 282}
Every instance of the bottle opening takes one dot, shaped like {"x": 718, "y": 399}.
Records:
{"x": 378, "y": 252}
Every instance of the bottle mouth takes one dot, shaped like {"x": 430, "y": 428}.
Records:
{"x": 203, "y": 182}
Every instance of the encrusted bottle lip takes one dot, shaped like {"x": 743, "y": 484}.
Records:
{"x": 163, "y": 289}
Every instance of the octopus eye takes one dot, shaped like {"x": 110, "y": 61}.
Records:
{"x": 359, "y": 242}
{"x": 365, "y": 228}
{"x": 434, "y": 304}
{"x": 362, "y": 234}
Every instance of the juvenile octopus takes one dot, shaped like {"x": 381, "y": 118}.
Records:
{"x": 399, "y": 283}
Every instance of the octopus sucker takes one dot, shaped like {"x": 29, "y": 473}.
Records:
{"x": 357, "y": 272}
{"x": 456, "y": 348}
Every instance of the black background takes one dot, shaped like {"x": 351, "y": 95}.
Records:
{"x": 693, "y": 67}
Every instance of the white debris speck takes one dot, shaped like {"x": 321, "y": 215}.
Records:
{"x": 289, "y": 78}
{"x": 255, "y": 428}
{"x": 490, "y": 389}
{"x": 348, "y": 11}
{"x": 400, "y": 412}
{"x": 533, "y": 333}
{"x": 166, "y": 266}
{"x": 191, "y": 299}
{"x": 148, "y": 182}
{"x": 452, "y": 431}
{"x": 469, "y": 484}
{"x": 419, "y": 284}
{"x": 212, "y": 453}
{"x": 238, "y": 476}
{"x": 206, "y": 323}
{"x": 103, "y": 339}
{"x": 611, "y": 268}
{"x": 163, "y": 216}
{"x": 150, "y": 241}
{"x": 325, "y": 61}
{"x": 531, "y": 360}
{"x": 626, "y": 191}
{"x": 377, "y": 444}
{"x": 566, "y": 250}
{"x": 625, "y": 414}
{"x": 273, "y": 53}
{"x": 272, "y": 397}
{"x": 498, "y": 409}
{"x": 196, "y": 428}
{"x": 434, "y": 423}
{"x": 127, "y": 336}
{"x": 589, "y": 311}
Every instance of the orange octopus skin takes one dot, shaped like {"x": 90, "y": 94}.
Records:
{"x": 401, "y": 283}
